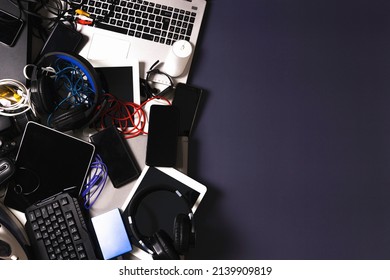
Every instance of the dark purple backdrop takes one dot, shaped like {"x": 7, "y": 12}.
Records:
{"x": 293, "y": 139}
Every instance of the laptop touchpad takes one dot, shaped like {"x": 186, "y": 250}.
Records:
{"x": 104, "y": 48}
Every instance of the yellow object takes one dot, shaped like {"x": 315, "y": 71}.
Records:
{"x": 83, "y": 13}
{"x": 9, "y": 93}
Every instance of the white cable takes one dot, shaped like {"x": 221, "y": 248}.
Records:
{"x": 8, "y": 108}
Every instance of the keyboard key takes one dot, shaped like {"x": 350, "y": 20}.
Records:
{"x": 112, "y": 28}
{"x": 165, "y": 22}
{"x": 50, "y": 209}
{"x": 189, "y": 29}
{"x": 166, "y": 13}
{"x": 155, "y": 31}
{"x": 64, "y": 201}
{"x": 31, "y": 216}
{"x": 147, "y": 36}
{"x": 38, "y": 213}
{"x": 38, "y": 235}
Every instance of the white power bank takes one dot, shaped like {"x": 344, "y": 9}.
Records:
{"x": 111, "y": 234}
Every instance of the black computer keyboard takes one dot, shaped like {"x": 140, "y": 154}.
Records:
{"x": 57, "y": 230}
{"x": 143, "y": 19}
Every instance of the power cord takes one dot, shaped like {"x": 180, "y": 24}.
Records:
{"x": 14, "y": 98}
{"x": 130, "y": 118}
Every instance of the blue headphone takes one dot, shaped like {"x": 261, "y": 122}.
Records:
{"x": 65, "y": 90}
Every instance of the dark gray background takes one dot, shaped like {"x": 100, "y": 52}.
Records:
{"x": 293, "y": 139}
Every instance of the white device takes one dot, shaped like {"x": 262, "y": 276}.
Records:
{"x": 177, "y": 58}
{"x": 133, "y": 64}
{"x": 111, "y": 234}
{"x": 168, "y": 175}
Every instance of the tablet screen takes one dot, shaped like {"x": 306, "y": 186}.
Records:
{"x": 47, "y": 162}
{"x": 118, "y": 81}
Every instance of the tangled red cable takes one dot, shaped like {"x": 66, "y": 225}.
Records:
{"x": 130, "y": 118}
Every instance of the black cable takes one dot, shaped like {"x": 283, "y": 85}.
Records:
{"x": 45, "y": 14}
{"x": 152, "y": 92}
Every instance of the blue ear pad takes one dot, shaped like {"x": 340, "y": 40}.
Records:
{"x": 163, "y": 246}
{"x": 181, "y": 233}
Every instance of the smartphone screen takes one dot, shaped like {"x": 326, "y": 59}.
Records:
{"x": 116, "y": 154}
{"x": 62, "y": 39}
{"x": 161, "y": 148}
{"x": 10, "y": 27}
{"x": 187, "y": 99}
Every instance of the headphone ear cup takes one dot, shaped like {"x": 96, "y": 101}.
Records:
{"x": 163, "y": 246}
{"x": 44, "y": 95}
{"x": 68, "y": 120}
{"x": 181, "y": 233}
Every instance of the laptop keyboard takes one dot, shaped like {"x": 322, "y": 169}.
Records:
{"x": 142, "y": 19}
{"x": 57, "y": 230}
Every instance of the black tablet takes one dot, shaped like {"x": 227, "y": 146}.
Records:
{"x": 47, "y": 162}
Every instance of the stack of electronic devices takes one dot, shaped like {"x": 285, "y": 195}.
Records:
{"x": 141, "y": 204}
{"x": 51, "y": 168}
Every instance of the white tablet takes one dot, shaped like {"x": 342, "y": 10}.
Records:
{"x": 192, "y": 190}
{"x": 120, "y": 78}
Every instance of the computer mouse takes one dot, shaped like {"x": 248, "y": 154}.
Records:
{"x": 7, "y": 169}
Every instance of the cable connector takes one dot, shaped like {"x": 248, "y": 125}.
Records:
{"x": 82, "y": 13}
{"x": 83, "y": 17}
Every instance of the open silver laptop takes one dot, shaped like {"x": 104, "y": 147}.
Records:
{"x": 141, "y": 30}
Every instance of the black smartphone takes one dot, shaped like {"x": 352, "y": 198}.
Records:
{"x": 161, "y": 148}
{"x": 187, "y": 99}
{"x": 116, "y": 154}
{"x": 62, "y": 38}
{"x": 10, "y": 28}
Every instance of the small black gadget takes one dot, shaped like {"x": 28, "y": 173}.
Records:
{"x": 116, "y": 80}
{"x": 7, "y": 169}
{"x": 160, "y": 245}
{"x": 116, "y": 154}
{"x": 161, "y": 148}
{"x": 10, "y": 28}
{"x": 65, "y": 90}
{"x": 187, "y": 99}
{"x": 63, "y": 38}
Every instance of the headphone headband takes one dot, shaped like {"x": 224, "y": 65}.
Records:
{"x": 140, "y": 196}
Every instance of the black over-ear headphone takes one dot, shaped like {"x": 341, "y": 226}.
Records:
{"x": 160, "y": 245}
{"x": 65, "y": 90}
